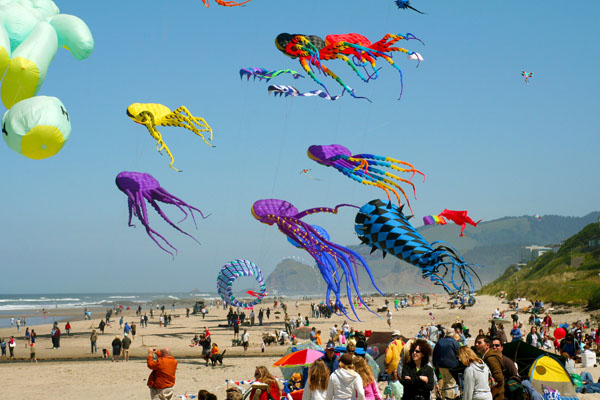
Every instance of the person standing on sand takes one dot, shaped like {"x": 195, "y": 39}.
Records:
{"x": 126, "y": 343}
{"x": 93, "y": 340}
{"x": 236, "y": 328}
{"x": 3, "y": 347}
{"x": 101, "y": 326}
{"x": 162, "y": 378}
{"x": 12, "y": 343}
{"x": 68, "y": 328}
{"x": 245, "y": 340}
{"x": 389, "y": 318}
{"x": 116, "y": 348}
{"x": 133, "y": 330}
{"x": 32, "y": 353}
{"x": 56, "y": 337}
{"x": 27, "y": 337}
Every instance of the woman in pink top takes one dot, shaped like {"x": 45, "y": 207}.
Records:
{"x": 369, "y": 383}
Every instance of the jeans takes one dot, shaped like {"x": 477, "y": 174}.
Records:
{"x": 94, "y": 348}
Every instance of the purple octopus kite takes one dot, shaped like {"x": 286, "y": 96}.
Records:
{"x": 139, "y": 186}
{"x": 338, "y": 265}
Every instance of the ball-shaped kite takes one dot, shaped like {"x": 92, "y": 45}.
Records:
{"x": 559, "y": 333}
{"x": 37, "y": 127}
{"x": 233, "y": 270}
{"x": 31, "y": 31}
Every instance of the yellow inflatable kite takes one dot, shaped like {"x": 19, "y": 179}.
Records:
{"x": 152, "y": 115}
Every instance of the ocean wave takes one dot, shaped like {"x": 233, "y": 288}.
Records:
{"x": 173, "y": 297}
{"x": 123, "y": 297}
{"x": 16, "y": 307}
{"x": 40, "y": 299}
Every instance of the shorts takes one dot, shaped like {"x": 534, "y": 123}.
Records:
{"x": 31, "y": 356}
{"x": 125, "y": 352}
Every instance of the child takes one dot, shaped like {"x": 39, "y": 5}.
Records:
{"x": 394, "y": 390}
{"x": 32, "y": 353}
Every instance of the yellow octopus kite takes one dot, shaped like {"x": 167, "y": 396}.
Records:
{"x": 152, "y": 115}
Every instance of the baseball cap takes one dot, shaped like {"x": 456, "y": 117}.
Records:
{"x": 330, "y": 345}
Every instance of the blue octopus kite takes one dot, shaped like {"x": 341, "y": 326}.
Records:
{"x": 385, "y": 227}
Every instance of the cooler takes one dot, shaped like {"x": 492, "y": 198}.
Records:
{"x": 588, "y": 359}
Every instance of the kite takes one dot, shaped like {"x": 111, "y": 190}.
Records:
{"x": 139, "y": 187}
{"x": 152, "y": 115}
{"x": 37, "y": 127}
{"x": 526, "y": 75}
{"x": 384, "y": 226}
{"x": 404, "y": 4}
{"x": 363, "y": 168}
{"x": 434, "y": 220}
{"x": 262, "y": 73}
{"x": 233, "y": 270}
{"x": 538, "y": 217}
{"x": 226, "y": 3}
{"x": 30, "y": 34}
{"x": 305, "y": 172}
{"x": 458, "y": 217}
{"x": 338, "y": 265}
{"x": 311, "y": 50}
{"x": 285, "y": 90}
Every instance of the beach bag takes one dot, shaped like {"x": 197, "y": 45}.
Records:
{"x": 576, "y": 378}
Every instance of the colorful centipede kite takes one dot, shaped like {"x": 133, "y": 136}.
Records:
{"x": 355, "y": 49}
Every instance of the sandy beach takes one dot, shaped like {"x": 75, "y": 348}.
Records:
{"x": 73, "y": 372}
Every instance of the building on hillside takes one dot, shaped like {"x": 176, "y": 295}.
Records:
{"x": 594, "y": 242}
{"x": 530, "y": 253}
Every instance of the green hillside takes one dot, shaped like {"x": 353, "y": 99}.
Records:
{"x": 569, "y": 276}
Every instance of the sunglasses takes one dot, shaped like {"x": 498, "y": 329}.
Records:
{"x": 496, "y": 345}
{"x": 416, "y": 351}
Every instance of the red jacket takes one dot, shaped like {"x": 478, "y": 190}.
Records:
{"x": 273, "y": 391}
{"x": 163, "y": 372}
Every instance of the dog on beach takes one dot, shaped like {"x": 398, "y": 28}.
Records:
{"x": 217, "y": 358}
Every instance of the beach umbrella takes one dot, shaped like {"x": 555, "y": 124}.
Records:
{"x": 299, "y": 358}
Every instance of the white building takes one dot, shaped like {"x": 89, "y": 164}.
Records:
{"x": 530, "y": 253}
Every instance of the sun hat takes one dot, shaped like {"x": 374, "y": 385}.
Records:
{"x": 396, "y": 333}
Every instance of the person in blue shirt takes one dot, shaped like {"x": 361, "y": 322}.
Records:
{"x": 516, "y": 334}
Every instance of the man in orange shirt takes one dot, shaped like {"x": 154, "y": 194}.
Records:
{"x": 162, "y": 378}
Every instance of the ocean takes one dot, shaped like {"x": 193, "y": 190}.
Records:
{"x": 17, "y": 305}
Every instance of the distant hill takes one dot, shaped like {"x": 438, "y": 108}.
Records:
{"x": 568, "y": 276}
{"x": 291, "y": 277}
{"x": 494, "y": 244}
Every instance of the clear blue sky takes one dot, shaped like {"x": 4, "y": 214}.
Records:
{"x": 488, "y": 143}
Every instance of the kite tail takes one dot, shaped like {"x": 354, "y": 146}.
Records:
{"x": 322, "y": 209}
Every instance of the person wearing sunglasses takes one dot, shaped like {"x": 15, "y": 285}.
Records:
{"x": 417, "y": 376}
{"x": 509, "y": 368}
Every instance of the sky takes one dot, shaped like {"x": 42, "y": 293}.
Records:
{"x": 487, "y": 142}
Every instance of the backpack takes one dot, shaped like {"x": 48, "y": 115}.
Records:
{"x": 514, "y": 389}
